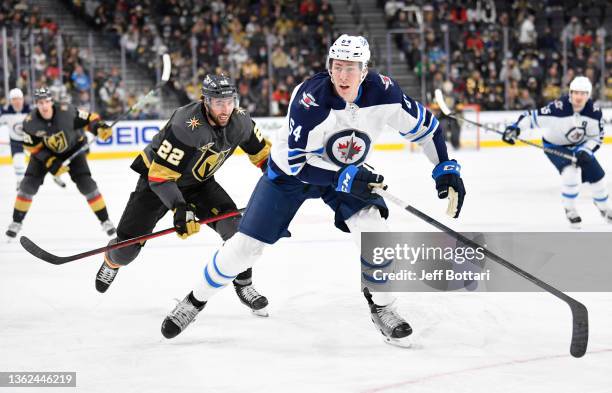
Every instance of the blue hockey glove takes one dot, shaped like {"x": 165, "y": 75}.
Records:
{"x": 511, "y": 133}
{"x": 584, "y": 155}
{"x": 450, "y": 185}
{"x": 356, "y": 181}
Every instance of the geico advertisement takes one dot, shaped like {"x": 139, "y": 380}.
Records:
{"x": 136, "y": 134}
{"x": 133, "y": 135}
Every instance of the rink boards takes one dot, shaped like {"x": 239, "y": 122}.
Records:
{"x": 129, "y": 137}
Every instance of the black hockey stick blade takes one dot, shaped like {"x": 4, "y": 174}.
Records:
{"x": 580, "y": 315}
{"x": 580, "y": 329}
{"x": 39, "y": 253}
{"x": 46, "y": 256}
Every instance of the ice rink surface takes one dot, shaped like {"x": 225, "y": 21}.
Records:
{"x": 319, "y": 337}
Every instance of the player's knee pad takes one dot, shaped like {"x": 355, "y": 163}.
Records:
{"x": 570, "y": 182}
{"x": 86, "y": 185}
{"x": 238, "y": 254}
{"x": 570, "y": 175}
{"x": 29, "y": 186}
{"x": 366, "y": 220}
{"x": 228, "y": 227}
{"x": 122, "y": 256}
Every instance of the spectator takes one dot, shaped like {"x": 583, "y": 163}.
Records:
{"x": 527, "y": 32}
{"x": 525, "y": 101}
{"x": 510, "y": 70}
{"x": 80, "y": 79}
{"x": 40, "y": 60}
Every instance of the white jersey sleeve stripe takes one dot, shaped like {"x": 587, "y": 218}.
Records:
{"x": 421, "y": 112}
{"x": 433, "y": 127}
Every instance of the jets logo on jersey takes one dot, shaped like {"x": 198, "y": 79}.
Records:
{"x": 348, "y": 147}
{"x": 308, "y": 100}
{"x": 576, "y": 134}
{"x": 386, "y": 81}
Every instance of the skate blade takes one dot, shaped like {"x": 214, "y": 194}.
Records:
{"x": 576, "y": 226}
{"x": 404, "y": 342}
{"x": 261, "y": 313}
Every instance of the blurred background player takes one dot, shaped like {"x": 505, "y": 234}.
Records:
{"x": 52, "y": 133}
{"x": 11, "y": 116}
{"x": 177, "y": 173}
{"x": 333, "y": 120}
{"x": 571, "y": 125}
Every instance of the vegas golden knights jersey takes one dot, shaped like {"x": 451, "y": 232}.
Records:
{"x": 59, "y": 136}
{"x": 188, "y": 150}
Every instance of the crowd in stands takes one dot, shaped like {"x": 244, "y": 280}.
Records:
{"x": 232, "y": 36}
{"x": 270, "y": 46}
{"x": 530, "y": 73}
{"x": 72, "y": 82}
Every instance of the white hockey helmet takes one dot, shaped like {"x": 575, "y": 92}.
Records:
{"x": 581, "y": 83}
{"x": 15, "y": 93}
{"x": 349, "y": 48}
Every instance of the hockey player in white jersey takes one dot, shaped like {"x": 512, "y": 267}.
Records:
{"x": 572, "y": 125}
{"x": 11, "y": 116}
{"x": 333, "y": 120}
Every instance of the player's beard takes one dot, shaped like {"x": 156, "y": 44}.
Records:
{"x": 214, "y": 119}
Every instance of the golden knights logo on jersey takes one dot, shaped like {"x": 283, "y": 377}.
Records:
{"x": 209, "y": 162}
{"x": 57, "y": 142}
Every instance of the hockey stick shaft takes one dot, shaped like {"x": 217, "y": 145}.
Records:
{"x": 46, "y": 256}
{"x": 138, "y": 105}
{"x": 447, "y": 112}
{"x": 580, "y": 324}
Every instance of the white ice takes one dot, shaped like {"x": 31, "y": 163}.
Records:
{"x": 319, "y": 337}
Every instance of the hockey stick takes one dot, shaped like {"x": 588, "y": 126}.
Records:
{"x": 167, "y": 68}
{"x": 46, "y": 256}
{"x": 580, "y": 317}
{"x": 447, "y": 112}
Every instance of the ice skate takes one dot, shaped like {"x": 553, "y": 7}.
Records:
{"x": 105, "y": 277}
{"x": 394, "y": 328}
{"x": 183, "y": 314}
{"x": 605, "y": 213}
{"x": 108, "y": 227}
{"x": 13, "y": 230}
{"x": 249, "y": 296}
{"x": 574, "y": 218}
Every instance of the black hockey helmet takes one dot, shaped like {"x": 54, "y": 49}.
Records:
{"x": 218, "y": 86}
{"x": 42, "y": 93}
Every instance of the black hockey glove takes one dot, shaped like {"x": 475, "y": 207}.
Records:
{"x": 356, "y": 181}
{"x": 54, "y": 166}
{"x": 450, "y": 185}
{"x": 584, "y": 155}
{"x": 185, "y": 222}
{"x": 511, "y": 133}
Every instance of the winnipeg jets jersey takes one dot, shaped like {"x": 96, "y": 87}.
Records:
{"x": 324, "y": 133}
{"x": 14, "y": 121}
{"x": 561, "y": 126}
